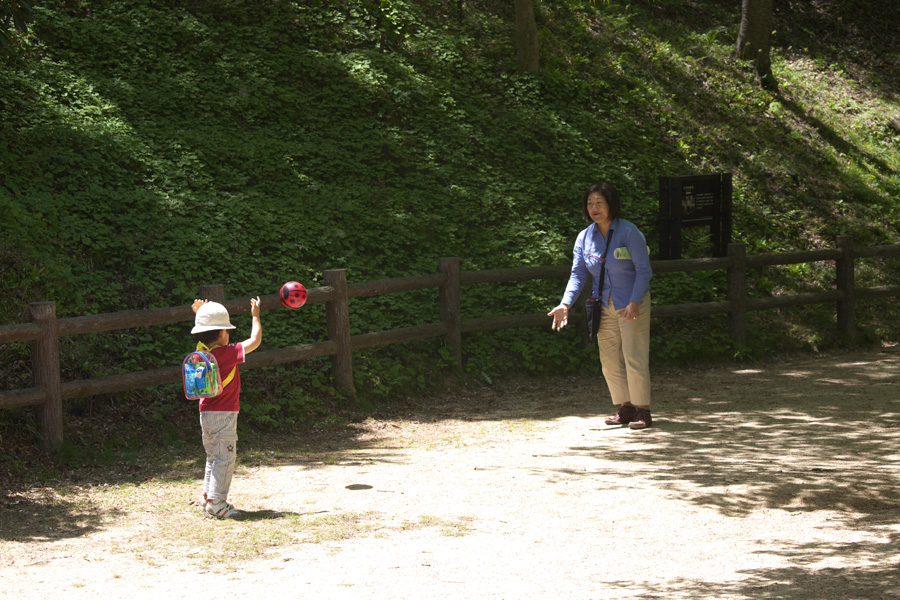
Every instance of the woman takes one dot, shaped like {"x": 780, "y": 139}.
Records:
{"x": 624, "y": 301}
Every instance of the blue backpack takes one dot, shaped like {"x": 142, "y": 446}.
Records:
{"x": 200, "y": 374}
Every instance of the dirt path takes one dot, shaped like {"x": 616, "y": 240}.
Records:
{"x": 765, "y": 481}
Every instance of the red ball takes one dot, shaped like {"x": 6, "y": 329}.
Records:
{"x": 293, "y": 294}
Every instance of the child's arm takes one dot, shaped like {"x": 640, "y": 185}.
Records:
{"x": 197, "y": 304}
{"x": 253, "y": 342}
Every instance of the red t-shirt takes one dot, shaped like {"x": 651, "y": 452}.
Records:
{"x": 228, "y": 357}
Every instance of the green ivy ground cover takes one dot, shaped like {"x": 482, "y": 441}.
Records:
{"x": 148, "y": 148}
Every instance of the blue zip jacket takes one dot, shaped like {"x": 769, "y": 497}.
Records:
{"x": 627, "y": 279}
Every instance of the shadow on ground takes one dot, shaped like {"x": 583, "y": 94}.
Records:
{"x": 802, "y": 437}
{"x": 43, "y": 519}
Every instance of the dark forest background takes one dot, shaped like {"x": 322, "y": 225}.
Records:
{"x": 148, "y": 148}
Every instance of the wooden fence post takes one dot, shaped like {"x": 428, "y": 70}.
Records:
{"x": 450, "y": 310}
{"x": 45, "y": 368}
{"x": 845, "y": 280}
{"x": 214, "y": 293}
{"x": 337, "y": 321}
{"x": 737, "y": 294}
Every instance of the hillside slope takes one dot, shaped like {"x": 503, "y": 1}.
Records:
{"x": 151, "y": 147}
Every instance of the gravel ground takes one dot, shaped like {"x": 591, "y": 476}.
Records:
{"x": 772, "y": 480}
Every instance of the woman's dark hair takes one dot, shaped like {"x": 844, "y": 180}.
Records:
{"x": 609, "y": 194}
{"x": 207, "y": 337}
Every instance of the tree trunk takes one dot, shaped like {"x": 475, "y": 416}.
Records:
{"x": 527, "y": 37}
{"x": 755, "y": 38}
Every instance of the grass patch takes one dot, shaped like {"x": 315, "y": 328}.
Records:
{"x": 457, "y": 527}
{"x": 340, "y": 526}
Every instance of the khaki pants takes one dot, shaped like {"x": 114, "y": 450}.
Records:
{"x": 625, "y": 354}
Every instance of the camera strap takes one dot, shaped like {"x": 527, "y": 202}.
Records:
{"x": 594, "y": 306}
{"x": 603, "y": 265}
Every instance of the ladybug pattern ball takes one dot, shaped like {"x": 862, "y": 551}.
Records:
{"x": 293, "y": 294}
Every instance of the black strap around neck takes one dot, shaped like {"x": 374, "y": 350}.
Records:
{"x": 603, "y": 265}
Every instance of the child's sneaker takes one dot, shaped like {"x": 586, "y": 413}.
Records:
{"x": 221, "y": 510}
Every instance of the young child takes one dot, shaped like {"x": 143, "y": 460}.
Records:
{"x": 218, "y": 415}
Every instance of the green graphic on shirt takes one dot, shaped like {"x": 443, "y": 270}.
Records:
{"x": 622, "y": 253}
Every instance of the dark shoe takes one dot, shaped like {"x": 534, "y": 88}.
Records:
{"x": 624, "y": 416}
{"x": 641, "y": 419}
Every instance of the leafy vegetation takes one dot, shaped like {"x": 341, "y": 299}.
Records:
{"x": 14, "y": 15}
{"x": 148, "y": 148}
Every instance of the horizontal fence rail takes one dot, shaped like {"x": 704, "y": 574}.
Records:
{"x": 44, "y": 330}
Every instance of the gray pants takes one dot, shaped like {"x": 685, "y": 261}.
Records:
{"x": 220, "y": 441}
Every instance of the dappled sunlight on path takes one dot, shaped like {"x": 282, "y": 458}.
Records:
{"x": 770, "y": 481}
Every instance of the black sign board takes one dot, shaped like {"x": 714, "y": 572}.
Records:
{"x": 694, "y": 201}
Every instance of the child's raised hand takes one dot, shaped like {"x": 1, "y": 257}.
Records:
{"x": 197, "y": 304}
{"x": 255, "y": 339}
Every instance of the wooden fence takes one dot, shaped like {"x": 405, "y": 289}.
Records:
{"x": 44, "y": 330}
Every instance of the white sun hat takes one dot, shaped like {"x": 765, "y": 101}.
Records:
{"x": 211, "y": 316}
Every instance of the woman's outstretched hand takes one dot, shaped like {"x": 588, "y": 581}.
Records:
{"x": 560, "y": 316}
